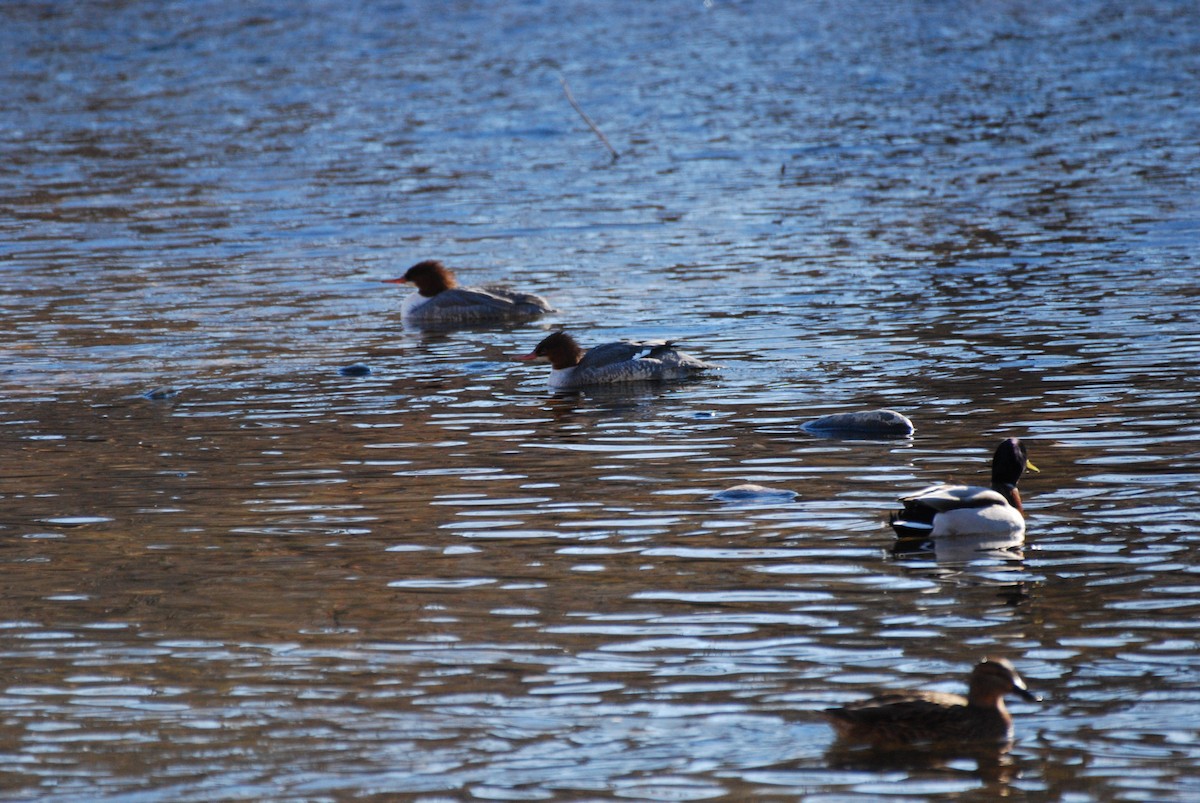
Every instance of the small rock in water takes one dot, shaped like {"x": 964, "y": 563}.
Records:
{"x": 749, "y": 492}
{"x": 358, "y": 369}
{"x": 75, "y": 521}
{"x": 864, "y": 422}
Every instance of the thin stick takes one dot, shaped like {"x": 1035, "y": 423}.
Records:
{"x": 575, "y": 105}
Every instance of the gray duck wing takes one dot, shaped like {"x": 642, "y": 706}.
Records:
{"x": 469, "y": 304}
{"x": 608, "y": 354}
{"x": 529, "y": 302}
{"x": 952, "y": 497}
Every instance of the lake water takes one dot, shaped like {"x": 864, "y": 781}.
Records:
{"x": 232, "y": 573}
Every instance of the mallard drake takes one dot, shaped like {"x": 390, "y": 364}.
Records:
{"x": 906, "y": 717}
{"x": 612, "y": 363}
{"x": 941, "y": 511}
{"x": 439, "y": 300}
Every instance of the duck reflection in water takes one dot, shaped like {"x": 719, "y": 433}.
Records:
{"x": 964, "y": 548}
{"x": 992, "y": 764}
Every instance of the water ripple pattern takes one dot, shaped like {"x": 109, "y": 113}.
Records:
{"x": 261, "y": 541}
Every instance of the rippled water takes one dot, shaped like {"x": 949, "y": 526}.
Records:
{"x": 232, "y": 572}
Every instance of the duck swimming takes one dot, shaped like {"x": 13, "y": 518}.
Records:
{"x": 611, "y": 363}
{"x": 900, "y": 719}
{"x": 942, "y": 511}
{"x": 439, "y": 300}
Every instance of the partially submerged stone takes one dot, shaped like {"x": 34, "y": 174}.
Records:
{"x": 886, "y": 423}
{"x": 749, "y": 493}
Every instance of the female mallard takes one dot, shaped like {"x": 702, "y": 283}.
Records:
{"x": 907, "y": 717}
{"x": 942, "y": 511}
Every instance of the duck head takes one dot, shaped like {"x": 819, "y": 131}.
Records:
{"x": 992, "y": 679}
{"x": 558, "y": 349}
{"x": 429, "y": 276}
{"x": 1009, "y": 463}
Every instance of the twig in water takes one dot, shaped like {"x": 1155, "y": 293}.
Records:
{"x": 575, "y": 105}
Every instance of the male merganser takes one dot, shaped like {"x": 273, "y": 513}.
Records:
{"x": 625, "y": 361}
{"x": 439, "y": 300}
{"x": 905, "y": 718}
{"x": 942, "y": 511}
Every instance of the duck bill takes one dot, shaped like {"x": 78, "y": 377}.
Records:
{"x": 1029, "y": 465}
{"x": 1028, "y": 695}
{"x": 405, "y": 281}
{"x": 531, "y": 356}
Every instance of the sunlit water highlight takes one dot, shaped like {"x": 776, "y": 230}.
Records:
{"x": 233, "y": 571}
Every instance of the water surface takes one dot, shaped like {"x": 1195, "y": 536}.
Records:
{"x": 233, "y": 572}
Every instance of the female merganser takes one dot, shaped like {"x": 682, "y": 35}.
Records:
{"x": 626, "y": 361}
{"x": 439, "y": 300}
{"x": 942, "y": 511}
{"x": 907, "y": 717}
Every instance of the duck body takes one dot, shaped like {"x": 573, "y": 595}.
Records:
{"x": 905, "y": 718}
{"x": 946, "y": 511}
{"x": 613, "y": 363}
{"x": 439, "y": 300}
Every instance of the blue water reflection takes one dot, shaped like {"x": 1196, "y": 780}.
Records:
{"x": 436, "y": 578}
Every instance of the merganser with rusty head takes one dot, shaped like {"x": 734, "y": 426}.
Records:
{"x": 943, "y": 511}
{"x": 612, "y": 363}
{"x": 440, "y": 301}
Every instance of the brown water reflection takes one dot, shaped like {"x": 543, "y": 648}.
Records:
{"x": 337, "y": 564}
{"x": 233, "y": 572}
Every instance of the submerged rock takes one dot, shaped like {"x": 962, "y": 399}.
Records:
{"x": 358, "y": 369}
{"x": 750, "y": 493}
{"x": 159, "y": 394}
{"x": 864, "y": 422}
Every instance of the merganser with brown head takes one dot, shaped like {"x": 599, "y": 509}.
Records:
{"x": 612, "y": 363}
{"x": 440, "y": 301}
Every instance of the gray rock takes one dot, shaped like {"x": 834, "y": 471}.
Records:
{"x": 887, "y": 423}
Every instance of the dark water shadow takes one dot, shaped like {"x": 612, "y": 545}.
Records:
{"x": 991, "y": 764}
{"x": 962, "y": 549}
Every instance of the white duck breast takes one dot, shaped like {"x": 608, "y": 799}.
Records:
{"x": 413, "y": 302}
{"x": 1000, "y": 519}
